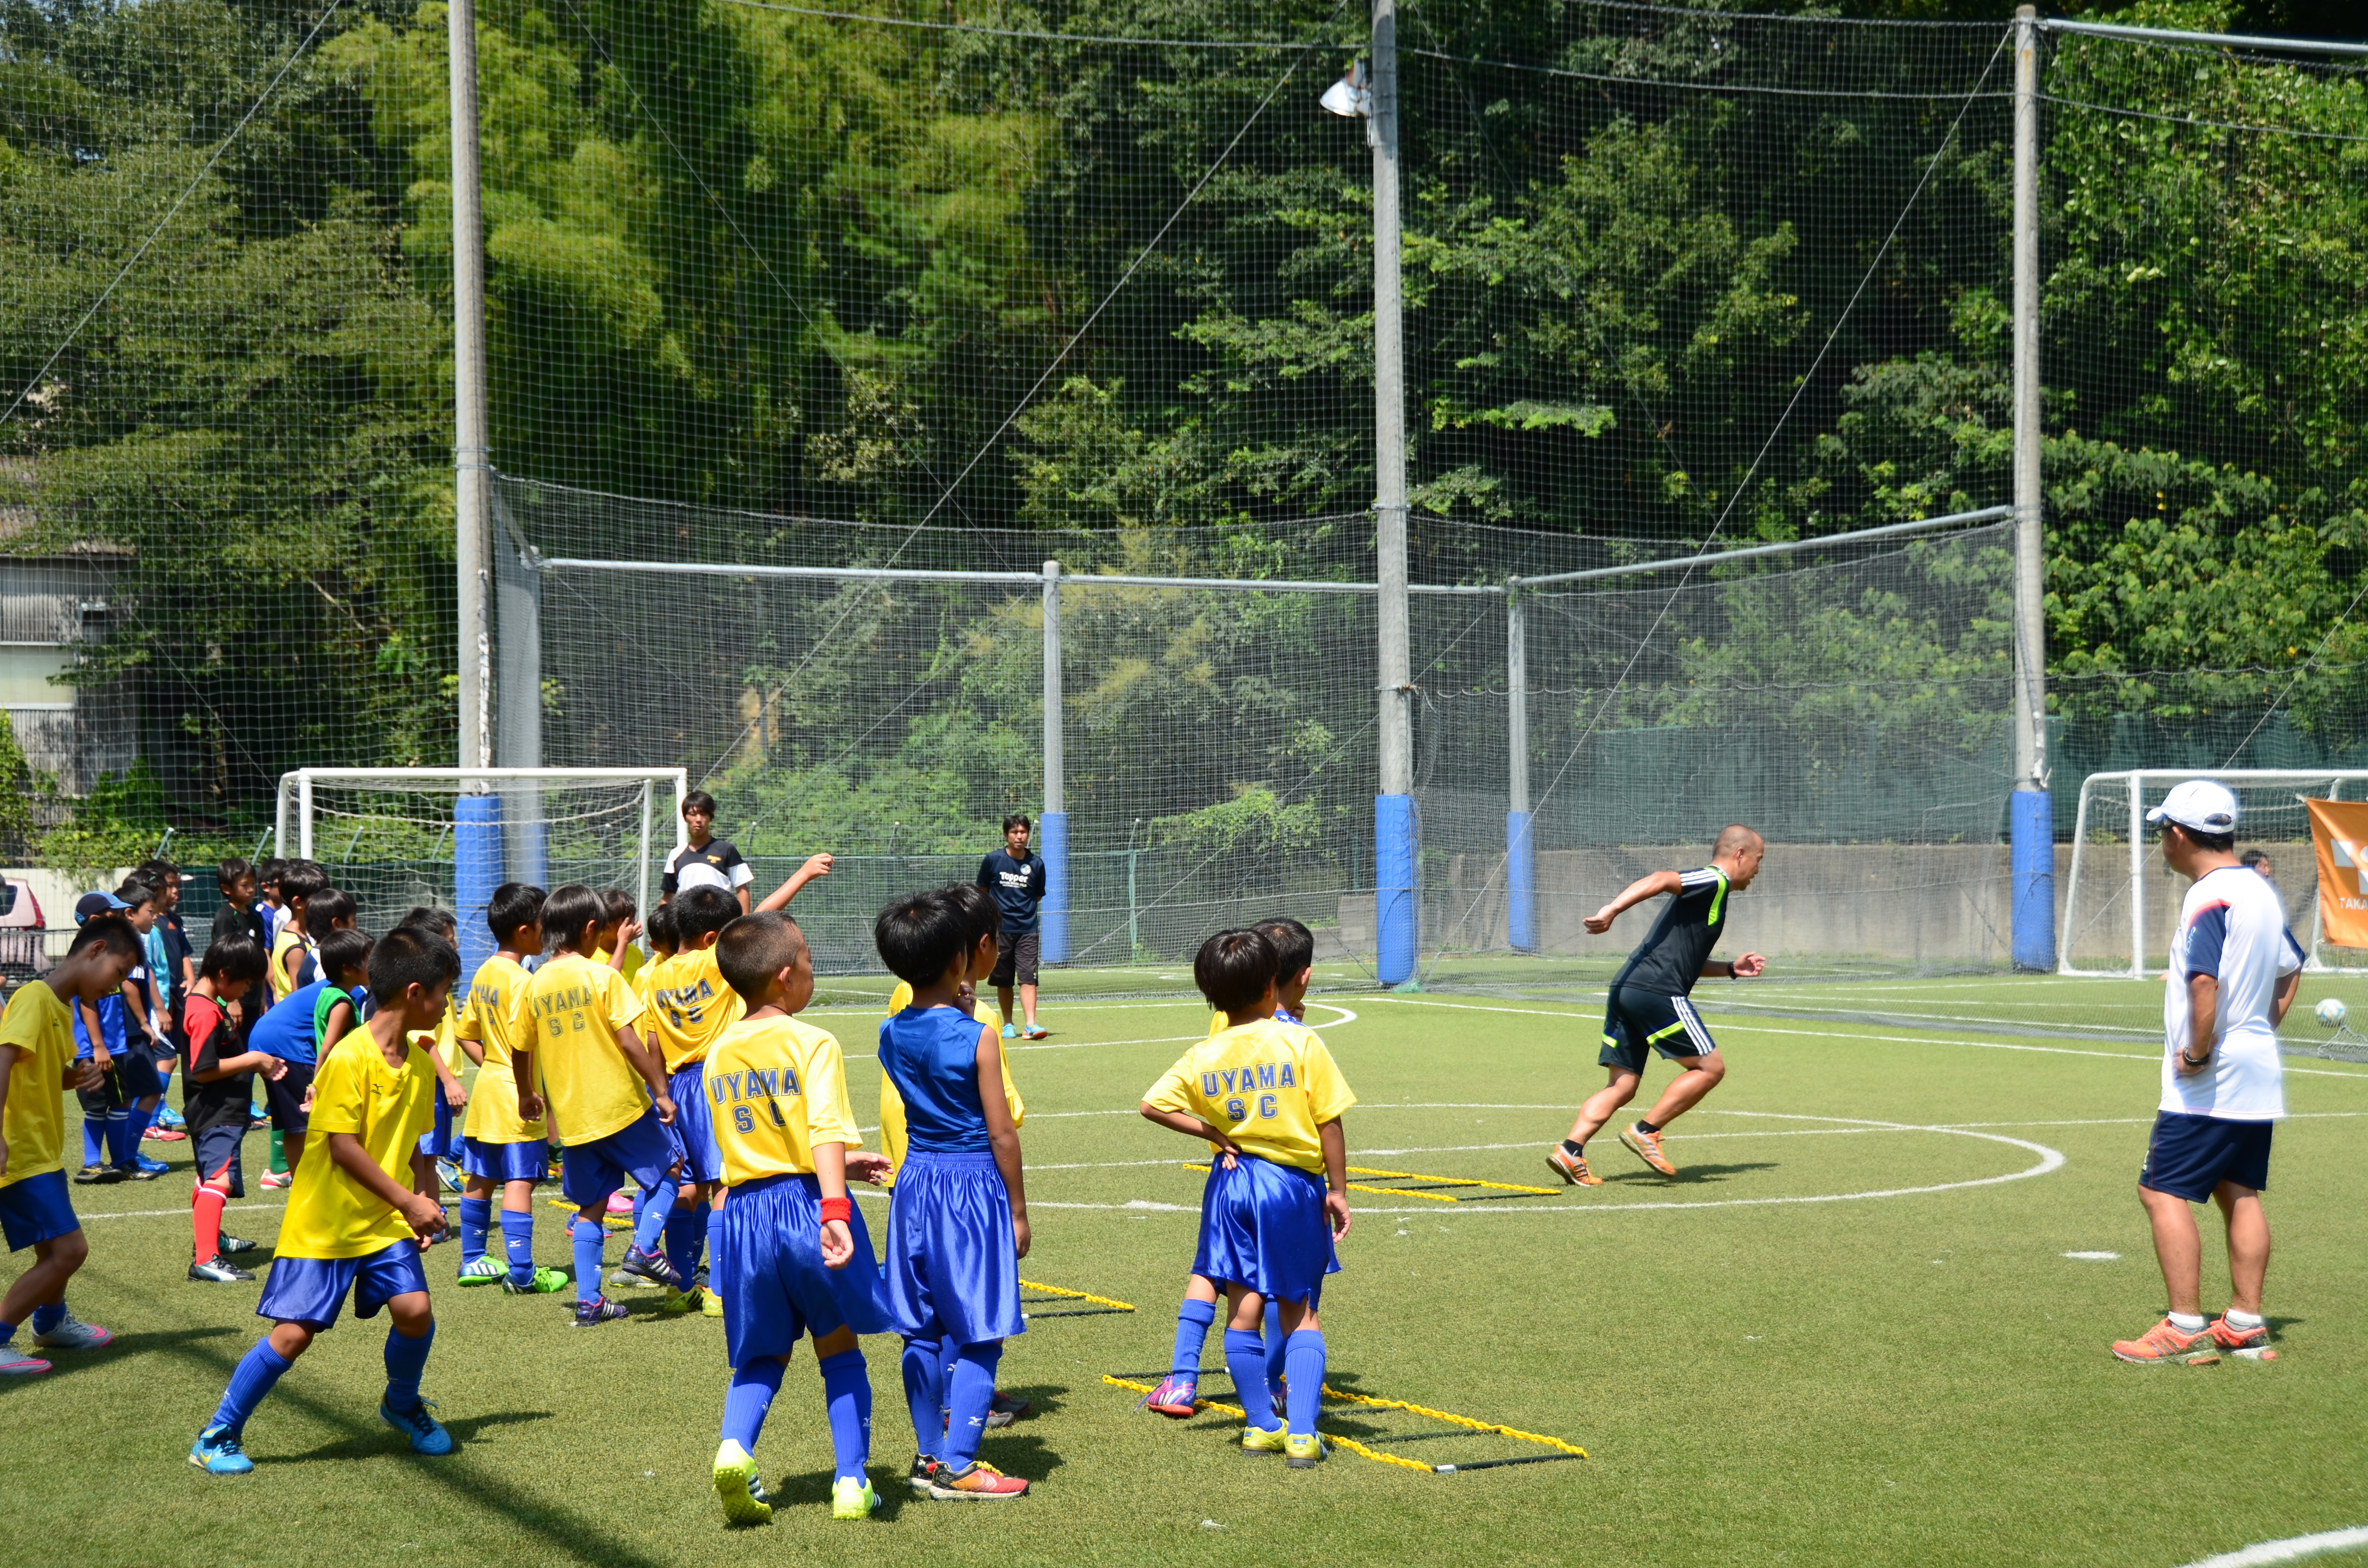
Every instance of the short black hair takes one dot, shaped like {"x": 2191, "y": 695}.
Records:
{"x": 919, "y": 936}
{"x": 697, "y": 910}
{"x": 231, "y": 957}
{"x": 153, "y": 872}
{"x": 568, "y": 911}
{"x": 1233, "y": 970}
{"x": 1016, "y": 819}
{"x": 406, "y": 957}
{"x": 325, "y": 908}
{"x": 427, "y": 917}
{"x": 984, "y": 915}
{"x": 228, "y": 870}
{"x": 110, "y": 931}
{"x": 342, "y": 950}
{"x": 136, "y": 892}
{"x": 617, "y": 906}
{"x": 302, "y": 879}
{"x": 1294, "y": 945}
{"x": 754, "y": 949}
{"x": 2211, "y": 843}
{"x": 699, "y": 800}
{"x": 2253, "y": 857}
{"x": 269, "y": 869}
{"x": 513, "y": 904}
{"x": 659, "y": 926}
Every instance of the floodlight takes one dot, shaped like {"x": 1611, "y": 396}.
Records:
{"x": 1349, "y": 98}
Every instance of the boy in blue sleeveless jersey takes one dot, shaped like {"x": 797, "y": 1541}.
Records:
{"x": 1268, "y": 1096}
{"x": 958, "y": 1223}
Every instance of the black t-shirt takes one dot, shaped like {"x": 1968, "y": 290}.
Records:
{"x": 715, "y": 864}
{"x": 176, "y": 948}
{"x": 1669, "y": 960}
{"x": 225, "y": 1100}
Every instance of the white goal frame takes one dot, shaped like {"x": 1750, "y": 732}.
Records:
{"x": 2133, "y": 783}
{"x": 295, "y": 803}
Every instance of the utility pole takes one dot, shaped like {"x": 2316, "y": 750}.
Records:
{"x": 2031, "y": 826}
{"x": 471, "y": 443}
{"x": 1397, "y": 921}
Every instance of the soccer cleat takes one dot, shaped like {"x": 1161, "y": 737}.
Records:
{"x": 1645, "y": 1146}
{"x": 650, "y": 1266}
{"x": 142, "y": 1168}
{"x": 852, "y": 1499}
{"x": 232, "y": 1245}
{"x": 709, "y": 1304}
{"x": 739, "y": 1488}
{"x": 541, "y": 1282}
{"x": 1034, "y": 1032}
{"x": 2222, "y": 1335}
{"x": 98, "y": 1175}
{"x": 170, "y": 1119}
{"x": 276, "y": 1180}
{"x": 620, "y": 1202}
{"x": 1305, "y": 1453}
{"x": 449, "y": 1171}
{"x": 220, "y": 1271}
{"x": 923, "y": 1475}
{"x": 1265, "y": 1439}
{"x": 2166, "y": 1341}
{"x": 981, "y": 1483}
{"x": 217, "y": 1452}
{"x": 678, "y": 1303}
{"x": 15, "y": 1363}
{"x": 1011, "y": 1032}
{"x": 1571, "y": 1167}
{"x": 485, "y": 1270}
{"x": 70, "y": 1332}
{"x": 157, "y": 1132}
{"x": 1174, "y": 1397}
{"x": 425, "y": 1432}
{"x": 1002, "y": 1410}
{"x": 600, "y": 1309}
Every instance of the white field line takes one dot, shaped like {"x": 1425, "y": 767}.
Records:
{"x": 2292, "y": 1550}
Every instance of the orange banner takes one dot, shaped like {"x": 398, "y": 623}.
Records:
{"x": 2339, "y": 832}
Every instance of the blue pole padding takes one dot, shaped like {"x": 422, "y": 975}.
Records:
{"x": 1396, "y": 932}
{"x": 1520, "y": 883}
{"x": 1053, "y": 915}
{"x": 476, "y": 873}
{"x": 2032, "y": 833}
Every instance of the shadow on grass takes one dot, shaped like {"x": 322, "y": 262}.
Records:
{"x": 385, "y": 1439}
{"x": 1044, "y": 1397}
{"x": 1689, "y": 1175}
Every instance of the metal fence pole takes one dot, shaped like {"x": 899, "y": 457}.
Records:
{"x": 1520, "y": 846}
{"x": 2031, "y": 830}
{"x": 471, "y": 438}
{"x": 1396, "y": 923}
{"x": 1052, "y": 917}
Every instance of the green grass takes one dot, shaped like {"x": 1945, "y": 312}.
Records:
{"x": 1759, "y": 1377}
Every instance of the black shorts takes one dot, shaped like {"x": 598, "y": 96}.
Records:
{"x": 285, "y": 1096}
{"x": 135, "y": 1069}
{"x": 1015, "y": 958}
{"x": 1634, "y": 1020}
{"x": 217, "y": 1146}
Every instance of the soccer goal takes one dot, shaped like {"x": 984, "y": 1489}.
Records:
{"x": 399, "y": 837}
{"x": 2120, "y": 900}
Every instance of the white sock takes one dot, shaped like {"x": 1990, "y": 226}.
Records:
{"x": 2186, "y": 1322}
{"x": 2243, "y": 1320}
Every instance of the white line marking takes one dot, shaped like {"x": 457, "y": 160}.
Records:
{"x": 2292, "y": 1550}
{"x": 2096, "y": 1256}
{"x": 183, "y": 1211}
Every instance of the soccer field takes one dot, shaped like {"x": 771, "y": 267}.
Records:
{"x": 1867, "y": 1323}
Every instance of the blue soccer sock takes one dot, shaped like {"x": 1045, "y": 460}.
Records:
{"x": 650, "y": 1223}
{"x": 925, "y": 1395}
{"x": 716, "y": 1251}
{"x": 1193, "y": 1321}
{"x": 1275, "y": 1340}
{"x": 476, "y": 1219}
{"x": 48, "y": 1315}
{"x": 118, "y": 1150}
{"x": 968, "y": 1395}
{"x": 136, "y": 1126}
{"x": 94, "y": 1139}
{"x": 747, "y": 1399}
{"x": 685, "y": 1229}
{"x": 518, "y": 1244}
{"x": 249, "y": 1382}
{"x": 948, "y": 1354}
{"x": 405, "y": 1359}
{"x": 1306, "y": 1357}
{"x": 589, "y": 1238}
{"x": 7, "y": 1333}
{"x": 1246, "y": 1359}
{"x": 847, "y": 1387}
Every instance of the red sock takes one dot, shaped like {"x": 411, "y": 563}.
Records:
{"x": 206, "y": 1207}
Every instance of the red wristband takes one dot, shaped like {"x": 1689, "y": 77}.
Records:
{"x": 839, "y": 1209}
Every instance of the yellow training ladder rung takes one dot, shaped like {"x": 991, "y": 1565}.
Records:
{"x": 1457, "y": 1181}
{"x": 1076, "y": 1295}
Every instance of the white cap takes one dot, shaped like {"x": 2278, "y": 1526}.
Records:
{"x": 2199, "y": 804}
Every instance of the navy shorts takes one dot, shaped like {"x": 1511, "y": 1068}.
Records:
{"x": 285, "y": 1097}
{"x": 591, "y": 1172}
{"x": 1637, "y": 1023}
{"x": 135, "y": 1071}
{"x": 778, "y": 1289}
{"x": 693, "y": 1132}
{"x": 2188, "y": 1156}
{"x": 216, "y": 1150}
{"x": 953, "y": 1273}
{"x": 37, "y": 1209}
{"x": 529, "y": 1161}
{"x": 1263, "y": 1227}
{"x": 311, "y": 1290}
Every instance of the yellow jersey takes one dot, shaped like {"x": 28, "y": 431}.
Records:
{"x": 494, "y": 1016}
{"x": 288, "y": 950}
{"x": 632, "y": 969}
{"x": 775, "y": 1088}
{"x": 329, "y": 1213}
{"x": 892, "y": 1104}
{"x": 690, "y": 1006}
{"x": 38, "y": 1026}
{"x": 575, "y": 1008}
{"x": 1268, "y": 1086}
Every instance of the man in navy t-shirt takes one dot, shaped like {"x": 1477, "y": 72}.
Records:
{"x": 1015, "y": 879}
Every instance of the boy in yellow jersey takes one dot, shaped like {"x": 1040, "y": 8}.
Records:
{"x": 801, "y": 1257}
{"x": 498, "y": 1148}
{"x": 292, "y": 944}
{"x": 37, "y": 1067}
{"x": 616, "y": 947}
{"x": 607, "y": 1090}
{"x": 361, "y": 1209}
{"x": 1268, "y": 1096}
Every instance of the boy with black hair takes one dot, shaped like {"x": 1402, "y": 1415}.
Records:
{"x": 617, "y": 948}
{"x": 443, "y": 1050}
{"x": 1015, "y": 875}
{"x": 234, "y": 881}
{"x": 352, "y": 1224}
{"x": 331, "y": 909}
{"x": 608, "y": 1089}
{"x": 1268, "y": 1096}
{"x": 270, "y": 905}
{"x": 958, "y": 1221}
{"x": 294, "y": 940}
{"x": 291, "y": 1032}
{"x": 102, "y": 1031}
{"x": 217, "y": 1095}
{"x": 706, "y": 860}
{"x": 148, "y": 1043}
{"x": 37, "y": 1067}
{"x": 801, "y": 1256}
{"x": 171, "y": 957}
{"x": 499, "y": 1148}
{"x": 690, "y": 1006}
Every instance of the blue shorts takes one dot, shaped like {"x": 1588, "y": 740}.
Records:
{"x": 529, "y": 1161}
{"x": 216, "y": 1150}
{"x": 1262, "y": 1227}
{"x": 589, "y": 1173}
{"x": 311, "y": 1290}
{"x": 777, "y": 1289}
{"x": 693, "y": 1132}
{"x": 37, "y": 1209}
{"x": 953, "y": 1273}
{"x": 1638, "y": 1022}
{"x": 441, "y": 1139}
{"x": 2188, "y": 1156}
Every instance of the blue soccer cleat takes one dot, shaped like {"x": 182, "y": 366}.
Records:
{"x": 217, "y": 1452}
{"x": 427, "y": 1434}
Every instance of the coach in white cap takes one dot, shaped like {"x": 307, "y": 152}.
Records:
{"x": 2234, "y": 971}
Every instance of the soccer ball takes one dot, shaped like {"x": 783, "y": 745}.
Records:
{"x": 2331, "y": 1012}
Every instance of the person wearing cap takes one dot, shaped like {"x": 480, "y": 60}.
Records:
{"x": 2234, "y": 971}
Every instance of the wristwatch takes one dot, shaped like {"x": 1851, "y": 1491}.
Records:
{"x": 2193, "y": 1061}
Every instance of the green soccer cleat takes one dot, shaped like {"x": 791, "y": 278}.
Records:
{"x": 739, "y": 1488}
{"x": 486, "y": 1270}
{"x": 1265, "y": 1439}
{"x": 711, "y": 1305}
{"x": 678, "y": 1303}
{"x": 542, "y": 1283}
{"x": 1305, "y": 1453}
{"x": 852, "y": 1499}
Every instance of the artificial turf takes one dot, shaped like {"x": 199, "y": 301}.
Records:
{"x": 1762, "y": 1365}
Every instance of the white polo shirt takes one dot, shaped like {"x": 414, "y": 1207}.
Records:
{"x": 2232, "y": 928}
